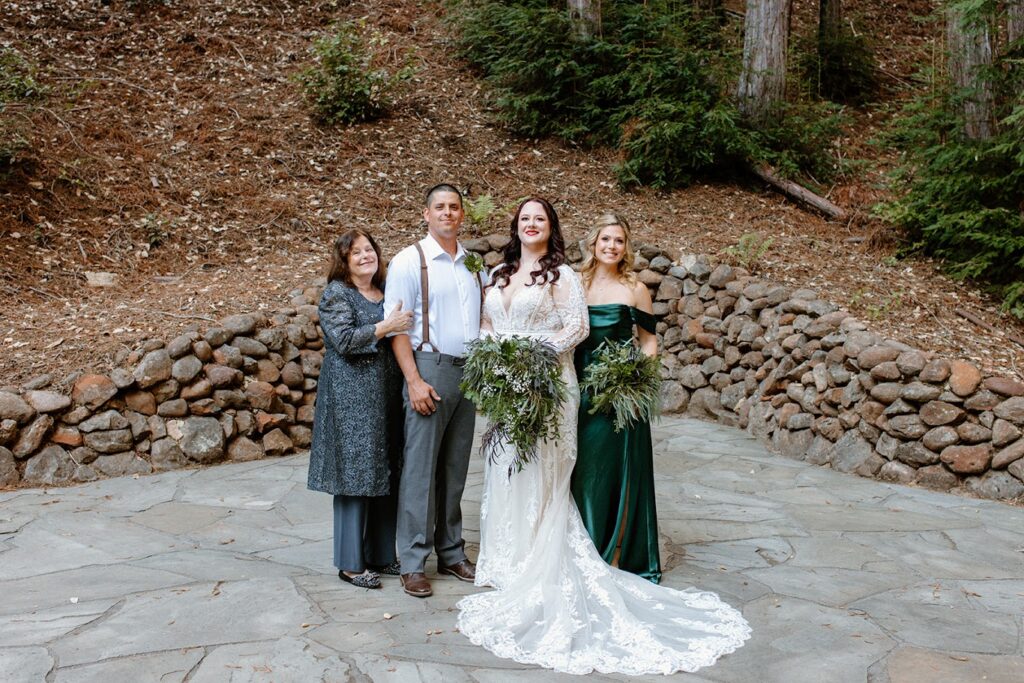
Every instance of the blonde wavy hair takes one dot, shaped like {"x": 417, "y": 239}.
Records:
{"x": 625, "y": 266}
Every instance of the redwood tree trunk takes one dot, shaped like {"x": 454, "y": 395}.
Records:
{"x": 970, "y": 58}
{"x": 830, "y": 20}
{"x": 586, "y": 17}
{"x": 765, "y": 37}
{"x": 1014, "y": 20}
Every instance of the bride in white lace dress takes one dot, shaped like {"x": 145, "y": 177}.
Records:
{"x": 557, "y": 604}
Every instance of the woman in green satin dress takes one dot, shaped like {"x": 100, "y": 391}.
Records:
{"x": 613, "y": 480}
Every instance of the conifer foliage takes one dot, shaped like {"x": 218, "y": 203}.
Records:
{"x": 655, "y": 83}
{"x": 962, "y": 195}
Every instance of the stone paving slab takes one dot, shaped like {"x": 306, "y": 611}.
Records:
{"x": 224, "y": 574}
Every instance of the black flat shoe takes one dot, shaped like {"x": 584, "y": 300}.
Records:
{"x": 364, "y": 580}
{"x": 393, "y": 569}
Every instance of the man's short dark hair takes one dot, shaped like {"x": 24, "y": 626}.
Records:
{"x": 443, "y": 187}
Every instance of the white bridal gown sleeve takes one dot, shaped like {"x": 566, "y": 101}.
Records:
{"x": 557, "y": 604}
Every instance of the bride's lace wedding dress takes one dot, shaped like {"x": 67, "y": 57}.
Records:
{"x": 557, "y": 604}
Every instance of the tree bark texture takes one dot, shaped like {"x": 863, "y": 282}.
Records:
{"x": 830, "y": 19}
{"x": 1014, "y": 20}
{"x": 1015, "y": 34}
{"x": 762, "y": 83}
{"x": 970, "y": 57}
{"x": 799, "y": 192}
{"x": 586, "y": 17}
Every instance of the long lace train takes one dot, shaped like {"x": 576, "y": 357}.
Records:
{"x": 557, "y": 604}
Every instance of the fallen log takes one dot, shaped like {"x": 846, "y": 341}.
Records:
{"x": 799, "y": 192}
{"x": 1015, "y": 338}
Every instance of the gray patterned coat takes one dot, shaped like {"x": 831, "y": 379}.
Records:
{"x": 358, "y": 424}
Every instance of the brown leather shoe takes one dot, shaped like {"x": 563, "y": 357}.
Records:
{"x": 463, "y": 571}
{"x": 416, "y": 585}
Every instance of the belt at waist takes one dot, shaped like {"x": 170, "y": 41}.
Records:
{"x": 439, "y": 358}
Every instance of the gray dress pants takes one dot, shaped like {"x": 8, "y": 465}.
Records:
{"x": 364, "y": 532}
{"x": 437, "y": 449}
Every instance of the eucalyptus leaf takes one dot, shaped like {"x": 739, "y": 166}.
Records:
{"x": 516, "y": 382}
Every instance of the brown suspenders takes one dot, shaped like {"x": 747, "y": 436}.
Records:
{"x": 425, "y": 288}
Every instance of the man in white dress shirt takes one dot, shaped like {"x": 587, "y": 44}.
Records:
{"x": 439, "y": 420}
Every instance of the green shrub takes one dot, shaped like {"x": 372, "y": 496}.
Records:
{"x": 750, "y": 249}
{"x": 12, "y": 143}
{"x": 479, "y": 209}
{"x": 654, "y": 84}
{"x": 962, "y": 200}
{"x": 798, "y": 139}
{"x": 671, "y": 142}
{"x": 840, "y": 66}
{"x": 18, "y": 85}
{"x": 156, "y": 229}
{"x": 536, "y": 70}
{"x": 17, "y": 78}
{"x": 344, "y": 86}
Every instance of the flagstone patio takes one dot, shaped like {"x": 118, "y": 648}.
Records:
{"x": 224, "y": 574}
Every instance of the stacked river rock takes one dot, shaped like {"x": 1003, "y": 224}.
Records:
{"x": 240, "y": 391}
{"x": 816, "y": 384}
{"x": 804, "y": 377}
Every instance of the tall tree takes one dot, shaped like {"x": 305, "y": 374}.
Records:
{"x": 830, "y": 21}
{"x": 762, "y": 83}
{"x": 586, "y": 17}
{"x": 969, "y": 43}
{"x": 1014, "y": 20}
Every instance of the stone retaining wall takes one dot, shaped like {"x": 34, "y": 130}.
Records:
{"x": 804, "y": 377}
{"x": 816, "y": 384}
{"x": 238, "y": 391}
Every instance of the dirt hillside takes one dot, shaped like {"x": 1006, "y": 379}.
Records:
{"x": 173, "y": 149}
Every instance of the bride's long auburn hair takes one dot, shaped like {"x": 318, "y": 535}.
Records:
{"x": 624, "y": 268}
{"x": 548, "y": 264}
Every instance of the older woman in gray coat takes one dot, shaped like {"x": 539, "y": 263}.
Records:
{"x": 357, "y": 427}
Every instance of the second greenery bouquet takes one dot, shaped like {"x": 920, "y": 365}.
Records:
{"x": 623, "y": 381}
{"x": 517, "y": 383}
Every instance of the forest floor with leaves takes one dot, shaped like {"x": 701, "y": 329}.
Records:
{"x": 174, "y": 150}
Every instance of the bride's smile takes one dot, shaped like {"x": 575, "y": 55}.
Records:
{"x": 534, "y": 227}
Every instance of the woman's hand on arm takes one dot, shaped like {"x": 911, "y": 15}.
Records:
{"x": 398, "y": 320}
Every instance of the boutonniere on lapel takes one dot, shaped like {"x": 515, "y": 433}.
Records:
{"x": 474, "y": 262}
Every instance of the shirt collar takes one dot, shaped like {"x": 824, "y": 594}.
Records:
{"x": 432, "y": 249}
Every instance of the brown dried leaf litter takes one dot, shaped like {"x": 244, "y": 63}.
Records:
{"x": 175, "y": 152}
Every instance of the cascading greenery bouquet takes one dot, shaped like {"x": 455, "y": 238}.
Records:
{"x": 516, "y": 382}
{"x": 623, "y": 381}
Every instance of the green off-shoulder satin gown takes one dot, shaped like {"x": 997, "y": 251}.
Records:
{"x": 613, "y": 480}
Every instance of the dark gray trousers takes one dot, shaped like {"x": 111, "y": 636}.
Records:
{"x": 364, "y": 532}
{"x": 437, "y": 449}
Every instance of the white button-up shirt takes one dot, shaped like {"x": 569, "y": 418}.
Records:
{"x": 454, "y": 306}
